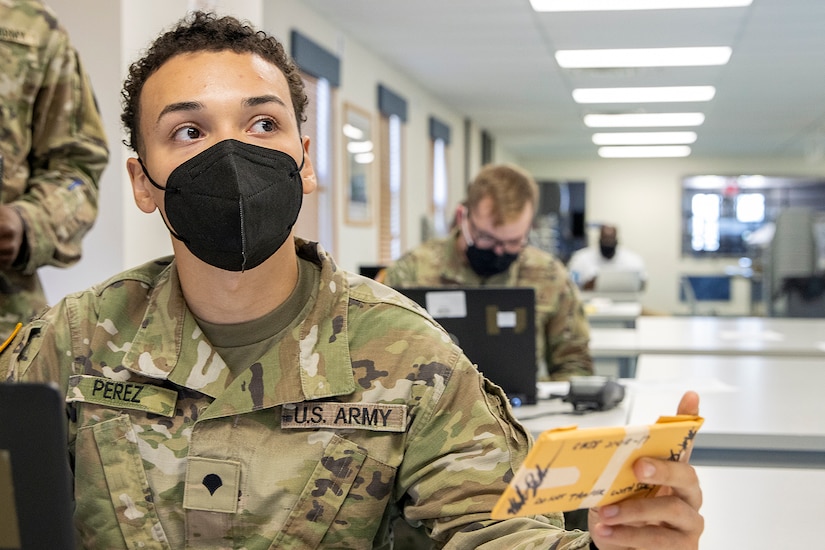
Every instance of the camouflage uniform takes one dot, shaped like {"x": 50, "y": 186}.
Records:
{"x": 53, "y": 148}
{"x": 562, "y": 331}
{"x": 172, "y": 453}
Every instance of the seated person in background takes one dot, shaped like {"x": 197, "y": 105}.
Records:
{"x": 488, "y": 246}
{"x": 248, "y": 393}
{"x": 585, "y": 264}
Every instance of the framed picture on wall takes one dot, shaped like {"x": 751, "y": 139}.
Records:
{"x": 360, "y": 162}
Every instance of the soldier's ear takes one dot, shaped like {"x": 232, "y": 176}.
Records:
{"x": 142, "y": 188}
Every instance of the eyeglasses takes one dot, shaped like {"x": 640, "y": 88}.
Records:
{"x": 486, "y": 241}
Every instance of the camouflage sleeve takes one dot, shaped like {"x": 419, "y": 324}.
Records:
{"x": 32, "y": 355}
{"x": 68, "y": 154}
{"x": 568, "y": 336}
{"x": 460, "y": 454}
{"x": 402, "y": 272}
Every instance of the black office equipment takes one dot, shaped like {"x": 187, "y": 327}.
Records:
{"x": 594, "y": 393}
{"x": 495, "y": 326}
{"x": 35, "y": 480}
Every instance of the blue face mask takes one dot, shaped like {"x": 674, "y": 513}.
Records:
{"x": 234, "y": 204}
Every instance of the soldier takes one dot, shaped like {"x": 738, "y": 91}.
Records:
{"x": 248, "y": 393}
{"x": 52, "y": 153}
{"x": 488, "y": 246}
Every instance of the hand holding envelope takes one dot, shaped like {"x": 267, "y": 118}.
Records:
{"x": 670, "y": 519}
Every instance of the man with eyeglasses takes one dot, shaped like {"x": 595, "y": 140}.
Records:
{"x": 488, "y": 246}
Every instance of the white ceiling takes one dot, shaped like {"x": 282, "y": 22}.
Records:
{"x": 492, "y": 61}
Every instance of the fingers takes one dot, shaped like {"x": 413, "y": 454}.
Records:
{"x": 689, "y": 404}
{"x": 669, "y": 520}
{"x": 677, "y": 478}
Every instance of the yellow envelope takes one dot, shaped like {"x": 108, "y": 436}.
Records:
{"x": 569, "y": 468}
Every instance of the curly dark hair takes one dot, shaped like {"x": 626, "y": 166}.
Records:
{"x": 201, "y": 31}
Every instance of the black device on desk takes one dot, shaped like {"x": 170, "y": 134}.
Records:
{"x": 35, "y": 480}
{"x": 594, "y": 393}
{"x": 495, "y": 326}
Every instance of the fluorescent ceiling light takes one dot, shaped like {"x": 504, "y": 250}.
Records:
{"x": 607, "y": 5}
{"x": 636, "y": 120}
{"x": 657, "y": 94}
{"x": 643, "y": 57}
{"x": 657, "y": 151}
{"x": 644, "y": 138}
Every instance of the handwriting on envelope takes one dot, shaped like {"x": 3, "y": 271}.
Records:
{"x": 570, "y": 468}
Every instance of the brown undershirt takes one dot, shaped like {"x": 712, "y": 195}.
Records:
{"x": 242, "y": 344}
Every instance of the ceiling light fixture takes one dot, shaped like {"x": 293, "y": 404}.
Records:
{"x": 655, "y": 94}
{"x": 643, "y": 57}
{"x": 636, "y": 120}
{"x": 608, "y": 5}
{"x": 644, "y": 138}
{"x": 654, "y": 151}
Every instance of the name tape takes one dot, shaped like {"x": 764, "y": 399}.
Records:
{"x": 123, "y": 395}
{"x": 379, "y": 417}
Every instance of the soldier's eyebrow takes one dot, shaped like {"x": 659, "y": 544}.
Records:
{"x": 180, "y": 106}
{"x": 262, "y": 99}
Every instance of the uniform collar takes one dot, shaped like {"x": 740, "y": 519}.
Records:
{"x": 315, "y": 364}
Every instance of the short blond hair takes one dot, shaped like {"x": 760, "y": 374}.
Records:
{"x": 510, "y": 187}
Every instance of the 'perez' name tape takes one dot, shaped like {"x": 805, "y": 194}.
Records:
{"x": 123, "y": 395}
{"x": 379, "y": 417}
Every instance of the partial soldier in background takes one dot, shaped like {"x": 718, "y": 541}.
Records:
{"x": 488, "y": 246}
{"x": 52, "y": 152}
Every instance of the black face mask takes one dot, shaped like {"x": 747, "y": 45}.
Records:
{"x": 233, "y": 204}
{"x": 486, "y": 263}
{"x": 608, "y": 251}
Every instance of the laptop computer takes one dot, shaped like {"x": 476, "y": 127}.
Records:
{"x": 35, "y": 480}
{"x": 618, "y": 281}
{"x": 495, "y": 326}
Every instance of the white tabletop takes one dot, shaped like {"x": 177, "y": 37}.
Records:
{"x": 614, "y": 342}
{"x": 761, "y": 508}
{"x": 731, "y": 336}
{"x": 750, "y": 403}
{"x": 609, "y": 312}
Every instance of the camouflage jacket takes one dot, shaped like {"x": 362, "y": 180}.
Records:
{"x": 53, "y": 147}
{"x": 363, "y": 410}
{"x": 562, "y": 331}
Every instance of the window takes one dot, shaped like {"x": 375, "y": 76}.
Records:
{"x": 439, "y": 194}
{"x": 391, "y": 238}
{"x": 316, "y": 220}
{"x": 393, "y": 109}
{"x": 321, "y": 72}
{"x": 438, "y": 212}
{"x": 722, "y": 216}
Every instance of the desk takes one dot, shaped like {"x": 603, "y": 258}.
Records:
{"x": 607, "y": 312}
{"x": 720, "y": 336}
{"x": 555, "y": 413}
{"x": 759, "y": 411}
{"x": 764, "y": 336}
{"x": 616, "y": 343}
{"x": 761, "y": 508}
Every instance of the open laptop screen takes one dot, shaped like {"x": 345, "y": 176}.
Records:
{"x": 495, "y": 326}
